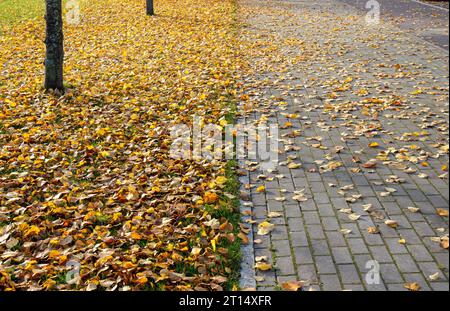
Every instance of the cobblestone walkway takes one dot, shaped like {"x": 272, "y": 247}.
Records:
{"x": 363, "y": 117}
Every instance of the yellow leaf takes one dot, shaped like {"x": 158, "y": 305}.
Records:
{"x": 128, "y": 265}
{"x": 142, "y": 280}
{"x": 213, "y": 244}
{"x": 135, "y": 236}
{"x": 261, "y": 189}
{"x": 221, "y": 180}
{"x": 262, "y": 266}
{"x": 53, "y": 254}
{"x": 33, "y": 230}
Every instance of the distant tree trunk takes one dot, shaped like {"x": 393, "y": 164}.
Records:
{"x": 150, "y": 9}
{"x": 54, "y": 56}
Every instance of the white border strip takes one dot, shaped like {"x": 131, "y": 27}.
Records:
{"x": 431, "y": 5}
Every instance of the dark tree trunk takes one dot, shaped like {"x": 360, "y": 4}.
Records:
{"x": 54, "y": 56}
{"x": 150, "y": 8}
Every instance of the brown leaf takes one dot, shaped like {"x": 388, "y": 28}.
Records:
{"x": 292, "y": 286}
{"x": 414, "y": 287}
{"x": 442, "y": 212}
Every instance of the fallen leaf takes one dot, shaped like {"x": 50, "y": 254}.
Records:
{"x": 413, "y": 209}
{"x": 261, "y": 189}
{"x": 435, "y": 276}
{"x": 262, "y": 266}
{"x": 391, "y": 223}
{"x": 442, "y": 212}
{"x": 414, "y": 287}
{"x": 292, "y": 286}
{"x": 265, "y": 228}
{"x": 373, "y": 230}
{"x": 274, "y": 215}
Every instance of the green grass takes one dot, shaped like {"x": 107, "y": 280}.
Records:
{"x": 13, "y": 11}
{"x": 233, "y": 215}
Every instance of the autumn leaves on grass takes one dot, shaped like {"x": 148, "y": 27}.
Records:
{"x": 86, "y": 179}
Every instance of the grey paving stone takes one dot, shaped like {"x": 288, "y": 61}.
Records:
{"x": 330, "y": 224}
{"x": 279, "y": 233}
{"x": 372, "y": 239}
{"x": 315, "y": 232}
{"x": 349, "y": 274}
{"x": 269, "y": 278}
{"x": 419, "y": 253}
{"x": 442, "y": 260}
{"x": 438, "y": 202}
{"x": 320, "y": 247}
{"x": 267, "y": 288}
{"x": 321, "y": 198}
{"x": 330, "y": 282}
{"x": 341, "y": 255}
{"x": 388, "y": 232}
{"x": 293, "y": 211}
{"x": 325, "y": 265}
{"x": 410, "y": 236}
{"x": 376, "y": 287}
{"x": 303, "y": 255}
{"x": 307, "y": 273}
{"x": 395, "y": 247}
{"x": 423, "y": 229}
{"x": 440, "y": 286}
{"x": 325, "y": 210}
{"x": 311, "y": 218}
{"x": 299, "y": 239}
{"x": 406, "y": 263}
{"x": 281, "y": 247}
{"x": 381, "y": 254}
{"x": 309, "y": 205}
{"x": 336, "y": 239}
{"x": 397, "y": 287}
{"x": 357, "y": 246}
{"x": 296, "y": 225}
{"x": 355, "y": 230}
{"x": 285, "y": 266}
{"x": 390, "y": 273}
{"x": 431, "y": 268}
{"x": 436, "y": 221}
{"x": 353, "y": 287}
{"x": 274, "y": 206}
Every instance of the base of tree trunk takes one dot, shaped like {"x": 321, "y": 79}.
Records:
{"x": 150, "y": 8}
{"x": 54, "y": 39}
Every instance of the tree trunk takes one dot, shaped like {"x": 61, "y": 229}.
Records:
{"x": 54, "y": 56}
{"x": 150, "y": 9}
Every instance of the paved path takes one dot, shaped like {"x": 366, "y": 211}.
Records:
{"x": 336, "y": 86}
{"x": 426, "y": 21}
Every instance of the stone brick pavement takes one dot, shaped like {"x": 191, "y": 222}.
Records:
{"x": 335, "y": 85}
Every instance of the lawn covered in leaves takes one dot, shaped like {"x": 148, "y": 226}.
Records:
{"x": 86, "y": 177}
